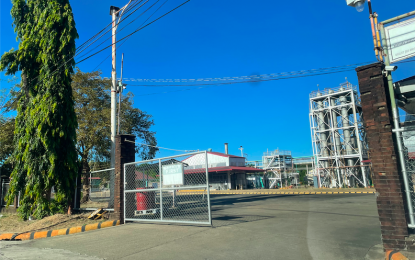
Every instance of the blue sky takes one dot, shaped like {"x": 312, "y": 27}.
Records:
{"x": 230, "y": 38}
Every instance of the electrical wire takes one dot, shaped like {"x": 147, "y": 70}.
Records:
{"x": 139, "y": 29}
{"x": 119, "y": 46}
{"x": 231, "y": 83}
{"x": 117, "y": 24}
{"x": 239, "y": 79}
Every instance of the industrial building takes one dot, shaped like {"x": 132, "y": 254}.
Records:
{"x": 338, "y": 137}
{"x": 226, "y": 171}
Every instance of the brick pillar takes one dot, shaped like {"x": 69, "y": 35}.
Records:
{"x": 378, "y": 122}
{"x": 124, "y": 153}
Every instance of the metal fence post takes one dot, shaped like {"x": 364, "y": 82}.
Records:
{"x": 125, "y": 173}
{"x": 207, "y": 187}
{"x": 161, "y": 191}
{"x": 90, "y": 185}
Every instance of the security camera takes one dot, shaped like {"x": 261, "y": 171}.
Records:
{"x": 391, "y": 68}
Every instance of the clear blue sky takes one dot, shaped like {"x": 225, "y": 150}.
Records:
{"x": 234, "y": 38}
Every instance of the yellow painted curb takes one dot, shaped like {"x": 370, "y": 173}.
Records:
{"x": 395, "y": 255}
{"x": 59, "y": 232}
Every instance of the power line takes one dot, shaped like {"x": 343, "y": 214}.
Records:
{"x": 231, "y": 83}
{"x": 119, "y": 46}
{"x": 239, "y": 79}
{"x": 116, "y": 26}
{"x": 139, "y": 29}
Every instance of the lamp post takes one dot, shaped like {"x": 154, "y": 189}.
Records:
{"x": 115, "y": 13}
{"x": 360, "y": 6}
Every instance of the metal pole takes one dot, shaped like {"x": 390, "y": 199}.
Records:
{"x": 208, "y": 188}
{"x": 161, "y": 191}
{"x": 396, "y": 130}
{"x": 114, "y": 12}
{"x": 90, "y": 185}
{"x": 120, "y": 85}
{"x": 124, "y": 209}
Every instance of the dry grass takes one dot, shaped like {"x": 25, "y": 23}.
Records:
{"x": 11, "y": 223}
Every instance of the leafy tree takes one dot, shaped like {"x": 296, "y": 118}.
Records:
{"x": 44, "y": 144}
{"x": 92, "y": 105}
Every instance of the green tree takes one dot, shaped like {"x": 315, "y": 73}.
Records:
{"x": 92, "y": 105}
{"x": 44, "y": 144}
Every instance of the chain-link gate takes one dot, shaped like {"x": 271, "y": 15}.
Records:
{"x": 408, "y": 137}
{"x": 170, "y": 189}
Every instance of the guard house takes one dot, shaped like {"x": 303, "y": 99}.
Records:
{"x": 226, "y": 171}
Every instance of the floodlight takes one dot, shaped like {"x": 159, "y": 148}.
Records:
{"x": 358, "y": 4}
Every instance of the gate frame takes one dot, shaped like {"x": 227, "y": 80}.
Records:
{"x": 175, "y": 188}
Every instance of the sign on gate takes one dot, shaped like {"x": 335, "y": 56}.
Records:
{"x": 173, "y": 174}
{"x": 170, "y": 189}
{"x": 401, "y": 40}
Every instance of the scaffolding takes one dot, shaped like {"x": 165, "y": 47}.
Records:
{"x": 338, "y": 137}
{"x": 279, "y": 164}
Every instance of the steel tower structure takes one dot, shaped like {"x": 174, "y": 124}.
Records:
{"x": 338, "y": 137}
{"x": 280, "y": 163}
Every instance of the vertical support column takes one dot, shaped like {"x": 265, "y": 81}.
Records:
{"x": 388, "y": 182}
{"x": 124, "y": 153}
{"x": 207, "y": 187}
{"x": 161, "y": 191}
{"x": 229, "y": 180}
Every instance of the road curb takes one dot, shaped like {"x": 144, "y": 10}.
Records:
{"x": 58, "y": 232}
{"x": 185, "y": 192}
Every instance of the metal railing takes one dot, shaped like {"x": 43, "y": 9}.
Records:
{"x": 168, "y": 189}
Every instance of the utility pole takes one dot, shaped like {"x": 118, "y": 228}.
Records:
{"x": 120, "y": 89}
{"x": 114, "y": 13}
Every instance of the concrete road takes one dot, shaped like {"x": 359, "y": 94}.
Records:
{"x": 245, "y": 227}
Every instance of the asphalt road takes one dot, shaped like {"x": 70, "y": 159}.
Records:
{"x": 244, "y": 227}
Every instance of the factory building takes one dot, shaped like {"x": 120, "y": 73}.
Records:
{"x": 226, "y": 171}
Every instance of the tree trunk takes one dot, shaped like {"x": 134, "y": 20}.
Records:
{"x": 86, "y": 185}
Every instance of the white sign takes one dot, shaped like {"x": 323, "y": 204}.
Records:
{"x": 173, "y": 174}
{"x": 401, "y": 40}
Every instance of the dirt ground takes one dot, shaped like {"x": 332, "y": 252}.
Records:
{"x": 11, "y": 223}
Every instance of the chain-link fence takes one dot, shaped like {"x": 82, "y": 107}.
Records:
{"x": 170, "y": 189}
{"x": 408, "y": 136}
{"x": 97, "y": 190}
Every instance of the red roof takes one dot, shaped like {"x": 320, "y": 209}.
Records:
{"x": 223, "y": 169}
{"x": 225, "y": 155}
